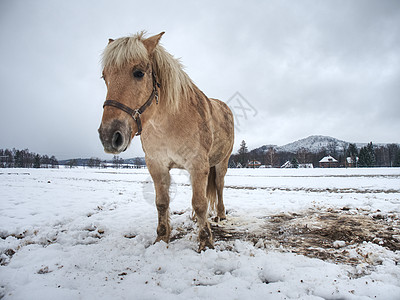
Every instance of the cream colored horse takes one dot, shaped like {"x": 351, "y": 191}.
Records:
{"x": 149, "y": 94}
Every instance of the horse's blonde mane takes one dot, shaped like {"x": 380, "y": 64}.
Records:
{"x": 175, "y": 83}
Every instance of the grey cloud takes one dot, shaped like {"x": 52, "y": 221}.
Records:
{"x": 308, "y": 67}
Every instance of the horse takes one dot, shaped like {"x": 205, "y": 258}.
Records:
{"x": 151, "y": 96}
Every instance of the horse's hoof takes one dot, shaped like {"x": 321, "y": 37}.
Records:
{"x": 161, "y": 238}
{"x": 205, "y": 244}
{"x": 206, "y": 238}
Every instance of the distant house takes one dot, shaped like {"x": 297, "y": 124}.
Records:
{"x": 287, "y": 165}
{"x": 253, "y": 164}
{"x": 328, "y": 162}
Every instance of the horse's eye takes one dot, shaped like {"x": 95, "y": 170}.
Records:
{"x": 138, "y": 74}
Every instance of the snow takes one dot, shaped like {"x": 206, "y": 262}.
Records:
{"x": 88, "y": 234}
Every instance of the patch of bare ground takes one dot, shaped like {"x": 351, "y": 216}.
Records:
{"x": 335, "y": 235}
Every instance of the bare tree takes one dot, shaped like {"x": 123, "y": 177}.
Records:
{"x": 332, "y": 146}
{"x": 271, "y": 157}
{"x": 117, "y": 161}
{"x": 302, "y": 155}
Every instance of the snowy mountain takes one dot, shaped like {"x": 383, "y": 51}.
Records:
{"x": 314, "y": 144}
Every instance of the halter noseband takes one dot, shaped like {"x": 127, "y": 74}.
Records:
{"x": 135, "y": 113}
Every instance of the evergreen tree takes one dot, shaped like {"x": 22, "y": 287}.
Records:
{"x": 363, "y": 157}
{"x": 371, "y": 154}
{"x": 367, "y": 156}
{"x": 243, "y": 148}
{"x": 295, "y": 163}
{"x": 243, "y": 153}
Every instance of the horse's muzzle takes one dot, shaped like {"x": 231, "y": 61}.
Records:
{"x": 115, "y": 137}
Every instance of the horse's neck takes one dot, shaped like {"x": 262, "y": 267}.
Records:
{"x": 165, "y": 117}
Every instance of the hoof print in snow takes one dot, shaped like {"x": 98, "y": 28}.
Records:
{"x": 130, "y": 235}
{"x": 44, "y": 270}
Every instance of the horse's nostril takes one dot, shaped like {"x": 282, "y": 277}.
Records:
{"x": 117, "y": 140}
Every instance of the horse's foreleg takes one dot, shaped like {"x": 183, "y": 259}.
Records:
{"x": 200, "y": 206}
{"x": 162, "y": 182}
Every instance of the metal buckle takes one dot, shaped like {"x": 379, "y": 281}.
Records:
{"x": 136, "y": 114}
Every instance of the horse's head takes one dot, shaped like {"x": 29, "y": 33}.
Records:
{"x": 131, "y": 88}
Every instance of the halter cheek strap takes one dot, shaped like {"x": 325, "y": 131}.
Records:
{"x": 135, "y": 113}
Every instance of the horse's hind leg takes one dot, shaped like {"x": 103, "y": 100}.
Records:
{"x": 162, "y": 180}
{"x": 199, "y": 180}
{"x": 220, "y": 170}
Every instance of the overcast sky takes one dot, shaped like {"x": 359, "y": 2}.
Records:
{"x": 301, "y": 67}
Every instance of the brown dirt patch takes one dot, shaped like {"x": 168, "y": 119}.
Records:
{"x": 326, "y": 234}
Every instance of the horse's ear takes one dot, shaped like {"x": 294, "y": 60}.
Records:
{"x": 152, "y": 42}
{"x": 110, "y": 41}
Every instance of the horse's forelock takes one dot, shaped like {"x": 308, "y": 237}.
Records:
{"x": 124, "y": 50}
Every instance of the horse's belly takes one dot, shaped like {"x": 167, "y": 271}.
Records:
{"x": 220, "y": 151}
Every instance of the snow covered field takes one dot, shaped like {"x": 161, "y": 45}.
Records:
{"x": 290, "y": 234}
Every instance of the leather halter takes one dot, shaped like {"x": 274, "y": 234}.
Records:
{"x": 135, "y": 113}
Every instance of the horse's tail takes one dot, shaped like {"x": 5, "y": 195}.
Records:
{"x": 212, "y": 190}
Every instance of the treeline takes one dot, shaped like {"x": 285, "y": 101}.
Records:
{"x": 24, "y": 159}
{"x": 95, "y": 162}
{"x": 349, "y": 156}
{"x": 92, "y": 162}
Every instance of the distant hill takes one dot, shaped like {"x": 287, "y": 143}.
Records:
{"x": 314, "y": 144}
